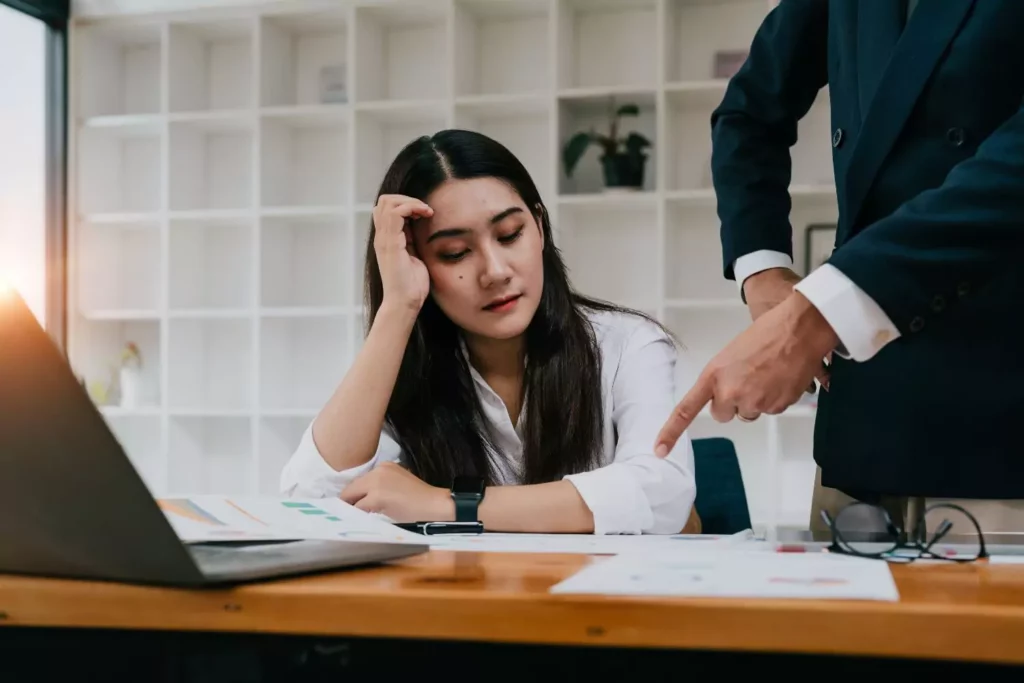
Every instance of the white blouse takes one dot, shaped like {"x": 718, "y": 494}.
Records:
{"x": 632, "y": 492}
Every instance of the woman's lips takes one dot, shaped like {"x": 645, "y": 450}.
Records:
{"x": 503, "y": 304}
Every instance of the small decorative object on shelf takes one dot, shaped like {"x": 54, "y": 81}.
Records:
{"x": 728, "y": 62}
{"x": 819, "y": 241}
{"x": 131, "y": 375}
{"x": 99, "y": 391}
{"x": 332, "y": 84}
{"x": 623, "y": 159}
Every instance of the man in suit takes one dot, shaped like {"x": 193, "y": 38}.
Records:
{"x": 919, "y": 308}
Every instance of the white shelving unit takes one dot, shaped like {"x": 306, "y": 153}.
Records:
{"x": 224, "y": 162}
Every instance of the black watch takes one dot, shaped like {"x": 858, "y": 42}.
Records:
{"x": 467, "y": 492}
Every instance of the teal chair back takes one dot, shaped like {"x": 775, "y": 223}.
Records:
{"x": 721, "y": 498}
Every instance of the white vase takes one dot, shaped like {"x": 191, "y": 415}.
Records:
{"x": 131, "y": 387}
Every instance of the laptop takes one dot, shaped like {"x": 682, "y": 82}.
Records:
{"x": 72, "y": 505}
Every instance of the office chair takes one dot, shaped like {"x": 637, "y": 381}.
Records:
{"x": 721, "y": 497}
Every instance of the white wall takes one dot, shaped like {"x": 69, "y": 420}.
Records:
{"x": 23, "y": 156}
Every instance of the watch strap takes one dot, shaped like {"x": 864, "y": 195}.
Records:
{"x": 466, "y": 507}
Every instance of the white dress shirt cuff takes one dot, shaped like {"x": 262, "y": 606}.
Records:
{"x": 756, "y": 261}
{"x": 615, "y": 499}
{"x": 307, "y": 474}
{"x": 860, "y": 323}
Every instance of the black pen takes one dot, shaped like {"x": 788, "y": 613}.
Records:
{"x": 434, "y": 528}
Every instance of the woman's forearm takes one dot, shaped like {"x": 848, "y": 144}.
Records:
{"x": 347, "y": 430}
{"x": 551, "y": 508}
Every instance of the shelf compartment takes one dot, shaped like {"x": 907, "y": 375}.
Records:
{"x": 607, "y": 43}
{"x": 212, "y": 364}
{"x": 119, "y": 169}
{"x": 796, "y": 470}
{"x": 703, "y": 332}
{"x": 278, "y": 439}
{"x": 401, "y": 51}
{"x": 142, "y": 440}
{"x": 118, "y": 267}
{"x": 305, "y": 262}
{"x": 302, "y": 361}
{"x": 305, "y": 159}
{"x": 688, "y": 166}
{"x": 212, "y": 164}
{"x": 520, "y": 125}
{"x": 119, "y": 69}
{"x": 211, "y": 65}
{"x": 303, "y": 59}
{"x": 96, "y": 357}
{"x": 501, "y": 46}
{"x": 692, "y": 257}
{"x": 608, "y": 249}
{"x": 695, "y": 30}
{"x": 592, "y": 111}
{"x": 210, "y": 455}
{"x": 380, "y": 136}
{"x": 211, "y": 264}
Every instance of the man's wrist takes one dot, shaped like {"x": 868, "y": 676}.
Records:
{"x": 809, "y": 324}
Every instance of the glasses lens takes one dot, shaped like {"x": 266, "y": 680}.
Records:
{"x": 951, "y": 533}
{"x": 865, "y": 530}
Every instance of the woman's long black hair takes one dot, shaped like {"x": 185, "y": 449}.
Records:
{"x": 434, "y": 410}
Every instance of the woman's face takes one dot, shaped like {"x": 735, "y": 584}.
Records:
{"x": 482, "y": 248}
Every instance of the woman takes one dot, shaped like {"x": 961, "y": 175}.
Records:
{"x": 481, "y": 361}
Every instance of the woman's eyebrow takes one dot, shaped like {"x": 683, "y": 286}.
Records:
{"x": 456, "y": 232}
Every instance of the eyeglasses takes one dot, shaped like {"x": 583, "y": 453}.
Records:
{"x": 944, "y": 531}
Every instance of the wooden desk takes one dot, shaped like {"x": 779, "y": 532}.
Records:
{"x": 954, "y": 612}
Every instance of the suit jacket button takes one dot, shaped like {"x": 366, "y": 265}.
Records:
{"x": 938, "y": 304}
{"x": 956, "y": 136}
{"x": 916, "y": 324}
{"x": 837, "y": 138}
{"x": 963, "y": 288}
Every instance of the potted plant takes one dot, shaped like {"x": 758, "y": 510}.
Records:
{"x": 623, "y": 158}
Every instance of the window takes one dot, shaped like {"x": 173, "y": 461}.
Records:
{"x": 32, "y": 165}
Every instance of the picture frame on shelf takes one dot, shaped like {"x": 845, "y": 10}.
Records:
{"x": 819, "y": 242}
{"x": 333, "y": 84}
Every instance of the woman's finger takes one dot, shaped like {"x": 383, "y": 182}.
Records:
{"x": 410, "y": 208}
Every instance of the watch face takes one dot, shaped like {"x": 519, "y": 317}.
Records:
{"x": 468, "y": 485}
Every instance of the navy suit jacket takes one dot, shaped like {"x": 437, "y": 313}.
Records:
{"x": 928, "y": 154}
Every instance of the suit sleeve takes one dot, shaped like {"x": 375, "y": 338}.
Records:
{"x": 947, "y": 241}
{"x": 756, "y": 124}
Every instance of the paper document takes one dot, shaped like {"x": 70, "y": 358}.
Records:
{"x": 226, "y": 518}
{"x": 735, "y": 573}
{"x": 587, "y": 544}
{"x": 1006, "y": 559}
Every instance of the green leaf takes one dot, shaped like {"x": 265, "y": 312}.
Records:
{"x": 636, "y": 142}
{"x": 573, "y": 151}
{"x": 628, "y": 110}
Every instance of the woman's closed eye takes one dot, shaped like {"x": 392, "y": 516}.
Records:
{"x": 511, "y": 237}
{"x": 453, "y": 256}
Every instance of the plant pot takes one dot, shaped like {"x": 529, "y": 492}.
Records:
{"x": 624, "y": 171}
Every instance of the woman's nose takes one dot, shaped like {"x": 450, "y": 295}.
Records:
{"x": 496, "y": 269}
